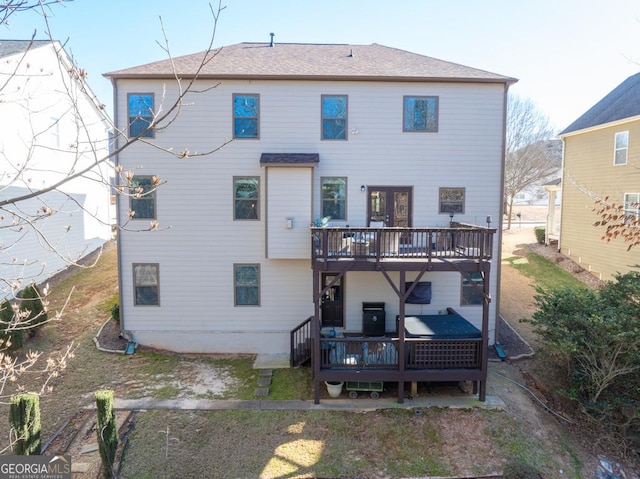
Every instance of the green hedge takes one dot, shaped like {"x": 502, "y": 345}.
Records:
{"x": 13, "y": 339}
{"x": 33, "y": 308}
{"x": 24, "y": 418}
{"x": 106, "y": 431}
{"x": 540, "y": 233}
{"x": 519, "y": 470}
{"x": 115, "y": 312}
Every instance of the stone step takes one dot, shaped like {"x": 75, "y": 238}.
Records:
{"x": 265, "y": 381}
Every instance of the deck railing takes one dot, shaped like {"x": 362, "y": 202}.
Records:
{"x": 460, "y": 242}
{"x": 364, "y": 353}
{"x": 444, "y": 353}
{"x": 301, "y": 343}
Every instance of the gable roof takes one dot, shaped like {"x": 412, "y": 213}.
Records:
{"x": 313, "y": 61}
{"x": 11, "y": 47}
{"x": 623, "y": 102}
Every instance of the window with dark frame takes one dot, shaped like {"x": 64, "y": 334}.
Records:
{"x": 143, "y": 197}
{"x": 472, "y": 291}
{"x": 246, "y": 284}
{"x": 451, "y": 200}
{"x": 334, "y": 197}
{"x": 146, "y": 284}
{"x": 246, "y": 198}
{"x": 420, "y": 114}
{"x": 334, "y": 117}
{"x": 621, "y": 148}
{"x": 246, "y": 116}
{"x": 140, "y": 107}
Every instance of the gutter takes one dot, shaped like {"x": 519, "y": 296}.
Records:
{"x": 223, "y": 76}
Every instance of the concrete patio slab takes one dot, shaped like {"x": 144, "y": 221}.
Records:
{"x": 271, "y": 361}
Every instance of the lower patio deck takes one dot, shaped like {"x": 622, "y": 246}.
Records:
{"x": 433, "y": 348}
{"x": 412, "y": 361}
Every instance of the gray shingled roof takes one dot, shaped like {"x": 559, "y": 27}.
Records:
{"x": 11, "y": 47}
{"x": 623, "y": 102}
{"x": 314, "y": 61}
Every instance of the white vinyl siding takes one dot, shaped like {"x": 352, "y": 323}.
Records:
{"x": 289, "y": 212}
{"x": 35, "y": 99}
{"x": 198, "y": 241}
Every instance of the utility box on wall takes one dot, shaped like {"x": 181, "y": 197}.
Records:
{"x": 373, "y": 319}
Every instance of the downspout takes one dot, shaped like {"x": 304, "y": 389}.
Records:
{"x": 498, "y": 247}
{"x": 562, "y": 183}
{"x": 116, "y": 139}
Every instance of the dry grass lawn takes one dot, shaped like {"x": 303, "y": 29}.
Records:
{"x": 276, "y": 444}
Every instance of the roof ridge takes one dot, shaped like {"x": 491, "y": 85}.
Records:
{"x": 292, "y": 43}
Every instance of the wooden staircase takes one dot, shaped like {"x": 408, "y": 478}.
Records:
{"x": 301, "y": 343}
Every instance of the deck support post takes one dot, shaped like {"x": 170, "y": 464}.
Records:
{"x": 315, "y": 328}
{"x": 401, "y": 343}
{"x": 485, "y": 335}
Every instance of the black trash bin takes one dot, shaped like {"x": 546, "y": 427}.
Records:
{"x": 373, "y": 319}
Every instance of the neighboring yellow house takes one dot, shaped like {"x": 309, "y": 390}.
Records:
{"x": 601, "y": 159}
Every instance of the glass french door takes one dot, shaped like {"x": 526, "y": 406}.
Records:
{"x": 391, "y": 204}
{"x": 332, "y": 308}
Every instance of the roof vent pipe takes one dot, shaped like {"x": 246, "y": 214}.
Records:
{"x": 351, "y": 53}
{"x": 272, "y": 35}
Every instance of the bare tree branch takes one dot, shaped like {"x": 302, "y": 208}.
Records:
{"x": 9, "y": 8}
{"x": 529, "y": 160}
{"x": 34, "y": 191}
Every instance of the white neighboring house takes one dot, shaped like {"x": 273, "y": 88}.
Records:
{"x": 51, "y": 130}
{"x": 388, "y": 145}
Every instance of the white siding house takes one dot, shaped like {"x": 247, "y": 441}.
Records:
{"x": 338, "y": 132}
{"x": 53, "y": 138}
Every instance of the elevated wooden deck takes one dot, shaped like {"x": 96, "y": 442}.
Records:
{"x": 400, "y": 245}
{"x": 401, "y": 358}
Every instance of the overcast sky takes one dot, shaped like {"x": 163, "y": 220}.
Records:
{"x": 567, "y": 54}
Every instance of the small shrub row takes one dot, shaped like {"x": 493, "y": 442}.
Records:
{"x": 115, "y": 312}
{"x": 23, "y": 321}
{"x": 24, "y": 420}
{"x": 540, "y": 232}
{"x": 594, "y": 336}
